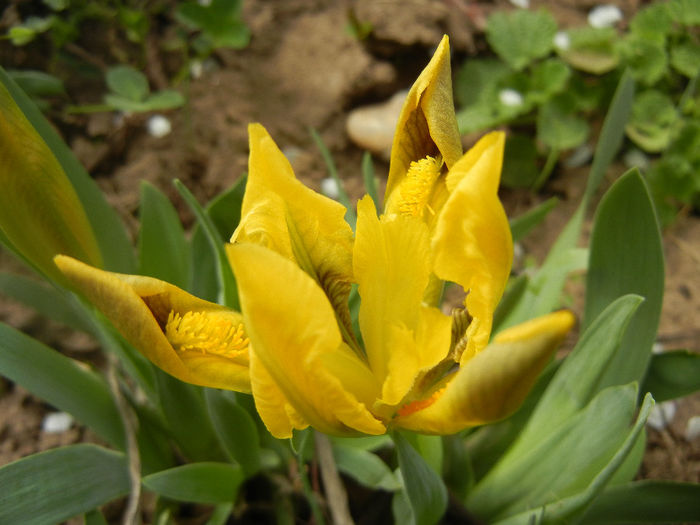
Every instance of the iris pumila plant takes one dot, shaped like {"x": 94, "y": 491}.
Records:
{"x": 296, "y": 259}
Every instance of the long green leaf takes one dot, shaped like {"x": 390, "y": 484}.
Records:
{"x": 235, "y": 428}
{"x": 562, "y": 464}
{"x": 46, "y": 300}
{"x": 365, "y": 467}
{"x": 225, "y": 213}
{"x": 578, "y": 379}
{"x": 424, "y": 489}
{"x": 227, "y": 281}
{"x": 544, "y": 291}
{"x": 672, "y": 374}
{"x": 523, "y": 224}
{"x": 627, "y": 257}
{"x": 569, "y": 509}
{"x": 117, "y": 252}
{"x": 648, "y": 501}
{"x": 163, "y": 249}
{"x": 186, "y": 415}
{"x": 53, "y": 486}
{"x": 205, "y": 482}
{"x": 60, "y": 381}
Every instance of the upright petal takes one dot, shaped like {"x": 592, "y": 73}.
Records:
{"x": 427, "y": 124}
{"x": 494, "y": 383}
{"x": 293, "y": 331}
{"x": 282, "y": 214}
{"x": 392, "y": 268}
{"x": 194, "y": 340}
{"x": 472, "y": 244}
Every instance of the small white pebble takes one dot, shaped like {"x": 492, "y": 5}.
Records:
{"x": 604, "y": 16}
{"x": 657, "y": 348}
{"x": 510, "y": 97}
{"x": 524, "y": 4}
{"x": 158, "y": 126}
{"x": 692, "y": 429}
{"x": 562, "y": 41}
{"x": 661, "y": 415}
{"x": 196, "y": 69}
{"x": 56, "y": 422}
{"x": 636, "y": 158}
{"x": 330, "y": 188}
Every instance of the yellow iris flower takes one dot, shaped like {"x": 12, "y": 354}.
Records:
{"x": 415, "y": 367}
{"x": 296, "y": 259}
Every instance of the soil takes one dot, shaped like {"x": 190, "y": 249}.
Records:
{"x": 304, "y": 70}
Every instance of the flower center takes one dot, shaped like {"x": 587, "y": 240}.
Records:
{"x": 417, "y": 187}
{"x": 206, "y": 333}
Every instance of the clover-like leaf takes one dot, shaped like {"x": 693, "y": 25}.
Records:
{"x": 521, "y": 36}
{"x": 652, "y": 120}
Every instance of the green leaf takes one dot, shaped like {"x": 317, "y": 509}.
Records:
{"x": 646, "y": 59}
{"x": 369, "y": 179}
{"x": 205, "y": 482}
{"x": 37, "y": 83}
{"x": 685, "y": 12}
{"x": 127, "y": 82}
{"x": 672, "y": 375}
{"x": 227, "y": 281}
{"x": 61, "y": 381}
{"x": 685, "y": 58}
{"x": 116, "y": 249}
{"x": 591, "y": 49}
{"x": 652, "y": 21}
{"x": 520, "y": 162}
{"x": 648, "y": 501}
{"x": 46, "y": 300}
{"x": 568, "y": 510}
{"x": 220, "y": 21}
{"x": 163, "y": 249}
{"x": 627, "y": 257}
{"x": 521, "y": 36}
{"x": 343, "y": 196}
{"x": 55, "y": 485}
{"x": 652, "y": 121}
{"x": 186, "y": 415}
{"x": 365, "y": 467}
{"x": 577, "y": 381}
{"x": 165, "y": 99}
{"x": 236, "y": 430}
{"x": 523, "y": 224}
{"x": 561, "y": 464}
{"x": 424, "y": 489}
{"x": 547, "y": 79}
{"x": 544, "y": 289}
{"x": 40, "y": 211}
{"x": 477, "y": 77}
{"x": 558, "y": 127}
{"x": 225, "y": 213}
{"x": 27, "y": 31}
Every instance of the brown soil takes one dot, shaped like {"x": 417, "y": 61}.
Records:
{"x": 302, "y": 69}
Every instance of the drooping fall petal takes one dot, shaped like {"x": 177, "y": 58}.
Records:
{"x": 194, "y": 340}
{"x": 427, "y": 125}
{"x": 40, "y": 212}
{"x": 472, "y": 244}
{"x": 392, "y": 268}
{"x": 494, "y": 383}
{"x": 294, "y": 332}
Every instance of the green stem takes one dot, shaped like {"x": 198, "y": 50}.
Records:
{"x": 552, "y": 158}
{"x": 308, "y": 490}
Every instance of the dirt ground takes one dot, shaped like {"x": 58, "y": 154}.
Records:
{"x": 303, "y": 70}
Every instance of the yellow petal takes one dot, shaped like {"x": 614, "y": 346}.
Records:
{"x": 40, "y": 212}
{"x": 472, "y": 243}
{"x": 392, "y": 268}
{"x": 282, "y": 214}
{"x": 277, "y": 413}
{"x": 293, "y": 330}
{"x": 494, "y": 383}
{"x": 427, "y": 124}
{"x": 139, "y": 307}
